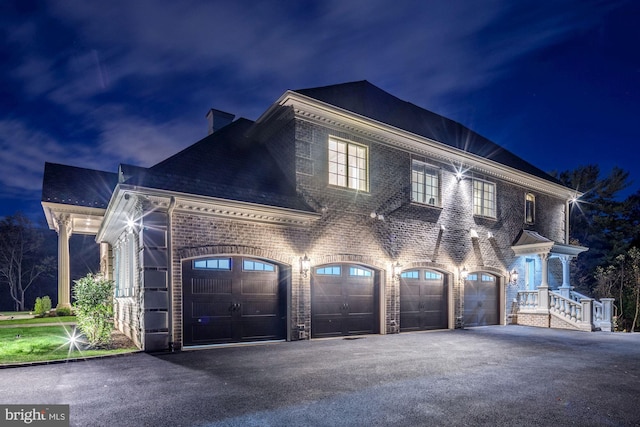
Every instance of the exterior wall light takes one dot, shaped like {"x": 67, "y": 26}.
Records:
{"x": 305, "y": 265}
{"x": 396, "y": 270}
{"x": 513, "y": 276}
{"x": 464, "y": 273}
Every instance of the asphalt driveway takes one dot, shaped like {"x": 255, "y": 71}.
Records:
{"x": 511, "y": 375}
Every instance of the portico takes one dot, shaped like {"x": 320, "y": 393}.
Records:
{"x": 562, "y": 307}
{"x": 68, "y": 220}
{"x": 73, "y": 205}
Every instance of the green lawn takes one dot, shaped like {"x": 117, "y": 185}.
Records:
{"x": 14, "y": 313}
{"x": 38, "y": 320}
{"x": 21, "y": 344}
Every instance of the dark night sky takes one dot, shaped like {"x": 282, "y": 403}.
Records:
{"x": 95, "y": 84}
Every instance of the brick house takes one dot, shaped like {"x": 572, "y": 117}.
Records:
{"x": 342, "y": 210}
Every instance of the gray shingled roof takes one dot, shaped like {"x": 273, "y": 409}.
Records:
{"x": 225, "y": 164}
{"x": 228, "y": 164}
{"x": 367, "y": 100}
{"x": 71, "y": 185}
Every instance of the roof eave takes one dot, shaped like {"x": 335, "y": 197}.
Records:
{"x": 191, "y": 203}
{"x": 313, "y": 109}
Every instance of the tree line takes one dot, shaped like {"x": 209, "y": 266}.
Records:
{"x": 609, "y": 226}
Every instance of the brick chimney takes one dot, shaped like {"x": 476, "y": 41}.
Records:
{"x": 218, "y": 119}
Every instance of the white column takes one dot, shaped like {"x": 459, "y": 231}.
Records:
{"x": 544, "y": 260}
{"x": 543, "y": 289}
{"x": 566, "y": 286}
{"x": 64, "y": 285}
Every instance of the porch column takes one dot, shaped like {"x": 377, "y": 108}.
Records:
{"x": 543, "y": 289}
{"x": 565, "y": 289}
{"x": 64, "y": 285}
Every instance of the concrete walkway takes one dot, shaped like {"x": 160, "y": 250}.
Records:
{"x": 514, "y": 375}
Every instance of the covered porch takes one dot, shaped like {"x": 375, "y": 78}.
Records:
{"x": 74, "y": 201}
{"x": 540, "y": 305}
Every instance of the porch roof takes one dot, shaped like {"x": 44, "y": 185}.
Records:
{"x": 530, "y": 242}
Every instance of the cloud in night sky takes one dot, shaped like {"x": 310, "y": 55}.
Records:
{"x": 98, "y": 84}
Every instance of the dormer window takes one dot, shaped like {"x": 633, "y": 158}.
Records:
{"x": 529, "y": 209}
{"x": 348, "y": 165}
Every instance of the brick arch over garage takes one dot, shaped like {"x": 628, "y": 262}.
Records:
{"x": 201, "y": 251}
{"x": 350, "y": 258}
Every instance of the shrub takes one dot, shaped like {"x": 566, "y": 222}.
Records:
{"x": 94, "y": 308}
{"x": 63, "y": 311}
{"x": 42, "y": 306}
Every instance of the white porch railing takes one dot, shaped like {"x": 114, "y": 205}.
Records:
{"x": 527, "y": 300}
{"x": 577, "y": 313}
{"x": 579, "y": 310}
{"x": 602, "y": 311}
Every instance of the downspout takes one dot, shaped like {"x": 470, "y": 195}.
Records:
{"x": 172, "y": 205}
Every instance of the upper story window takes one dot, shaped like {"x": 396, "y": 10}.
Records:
{"x": 484, "y": 198}
{"x": 348, "y": 165}
{"x": 425, "y": 184}
{"x": 529, "y": 208}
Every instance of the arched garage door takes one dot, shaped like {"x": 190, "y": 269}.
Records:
{"x": 481, "y": 300}
{"x": 344, "y": 301}
{"x": 232, "y": 299}
{"x": 423, "y": 300}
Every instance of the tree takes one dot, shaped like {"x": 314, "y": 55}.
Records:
{"x": 621, "y": 280}
{"x": 21, "y": 258}
{"x": 598, "y": 220}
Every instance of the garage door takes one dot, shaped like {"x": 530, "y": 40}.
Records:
{"x": 481, "y": 300}
{"x": 232, "y": 299}
{"x": 423, "y": 300}
{"x": 344, "y": 301}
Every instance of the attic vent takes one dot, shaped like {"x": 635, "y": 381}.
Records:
{"x": 218, "y": 119}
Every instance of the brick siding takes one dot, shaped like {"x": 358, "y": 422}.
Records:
{"x": 409, "y": 233}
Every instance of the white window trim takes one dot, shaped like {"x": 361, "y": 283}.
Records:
{"x": 533, "y": 208}
{"x": 473, "y": 199}
{"x": 347, "y": 176}
{"x": 438, "y": 202}
{"x": 126, "y": 258}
